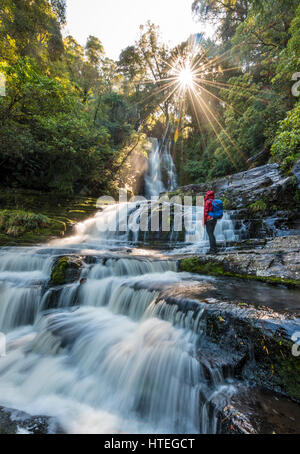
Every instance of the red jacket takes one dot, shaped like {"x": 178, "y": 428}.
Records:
{"x": 210, "y": 195}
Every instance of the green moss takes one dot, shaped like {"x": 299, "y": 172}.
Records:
{"x": 226, "y": 204}
{"x": 58, "y": 274}
{"x": 288, "y": 369}
{"x": 258, "y": 207}
{"x": 194, "y": 265}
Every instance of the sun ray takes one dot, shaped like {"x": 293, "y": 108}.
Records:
{"x": 225, "y": 132}
{"x": 203, "y": 107}
{"x": 190, "y": 73}
{"x": 218, "y": 99}
{"x": 226, "y": 86}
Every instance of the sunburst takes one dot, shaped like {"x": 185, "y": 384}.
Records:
{"x": 187, "y": 79}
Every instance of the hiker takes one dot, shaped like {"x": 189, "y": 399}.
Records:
{"x": 213, "y": 210}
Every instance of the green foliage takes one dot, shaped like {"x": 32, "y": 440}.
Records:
{"x": 258, "y": 207}
{"x": 64, "y": 122}
{"x": 31, "y": 31}
{"x": 17, "y": 222}
{"x": 195, "y": 171}
{"x": 47, "y": 141}
{"x": 62, "y": 211}
{"x": 72, "y": 117}
{"x": 257, "y": 54}
{"x": 286, "y": 146}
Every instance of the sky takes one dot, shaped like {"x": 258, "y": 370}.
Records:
{"x": 116, "y": 22}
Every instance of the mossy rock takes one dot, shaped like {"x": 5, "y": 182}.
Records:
{"x": 288, "y": 369}
{"x": 195, "y": 265}
{"x": 65, "y": 270}
{"x": 266, "y": 351}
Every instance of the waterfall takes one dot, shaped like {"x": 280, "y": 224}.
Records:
{"x": 132, "y": 222}
{"x": 110, "y": 353}
{"x": 196, "y": 233}
{"x": 108, "y": 356}
{"x": 161, "y": 175}
{"x": 169, "y": 167}
{"x": 153, "y": 179}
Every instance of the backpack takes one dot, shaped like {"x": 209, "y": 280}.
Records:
{"x": 217, "y": 212}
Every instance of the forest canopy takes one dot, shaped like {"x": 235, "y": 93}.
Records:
{"x": 72, "y": 117}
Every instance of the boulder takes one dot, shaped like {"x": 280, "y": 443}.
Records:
{"x": 266, "y": 200}
{"x": 277, "y": 262}
{"x": 17, "y": 422}
{"x": 244, "y": 188}
{"x": 65, "y": 270}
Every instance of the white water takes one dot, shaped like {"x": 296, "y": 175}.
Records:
{"x": 160, "y": 160}
{"x": 110, "y": 355}
{"x": 121, "y": 361}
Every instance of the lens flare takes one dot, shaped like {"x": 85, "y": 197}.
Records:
{"x": 191, "y": 76}
{"x": 186, "y": 77}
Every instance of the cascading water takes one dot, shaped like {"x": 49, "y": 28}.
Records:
{"x": 107, "y": 356}
{"x": 161, "y": 175}
{"x": 153, "y": 180}
{"x": 108, "y": 353}
{"x": 169, "y": 167}
{"x": 196, "y": 235}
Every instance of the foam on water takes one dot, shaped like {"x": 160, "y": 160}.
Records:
{"x": 108, "y": 355}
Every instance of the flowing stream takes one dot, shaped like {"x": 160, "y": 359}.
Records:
{"x": 109, "y": 353}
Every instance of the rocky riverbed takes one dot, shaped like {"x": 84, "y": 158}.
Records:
{"x": 239, "y": 308}
{"x": 263, "y": 199}
{"x": 276, "y": 261}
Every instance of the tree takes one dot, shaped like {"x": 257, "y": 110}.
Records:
{"x": 30, "y": 31}
{"x": 286, "y": 146}
{"x": 94, "y": 51}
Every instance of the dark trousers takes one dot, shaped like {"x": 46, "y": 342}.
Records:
{"x": 210, "y": 227}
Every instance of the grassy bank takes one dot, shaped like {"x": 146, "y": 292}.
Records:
{"x": 30, "y": 217}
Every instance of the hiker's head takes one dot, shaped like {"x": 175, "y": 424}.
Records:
{"x": 209, "y": 195}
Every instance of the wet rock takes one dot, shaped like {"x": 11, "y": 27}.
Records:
{"x": 278, "y": 262}
{"x": 245, "y": 342}
{"x": 258, "y": 411}
{"x": 264, "y": 338}
{"x": 263, "y": 198}
{"x": 66, "y": 270}
{"x": 244, "y": 188}
{"x": 90, "y": 260}
{"x": 17, "y": 422}
{"x": 51, "y": 298}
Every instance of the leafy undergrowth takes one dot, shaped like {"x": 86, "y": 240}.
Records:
{"x": 29, "y": 217}
{"x": 16, "y": 222}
